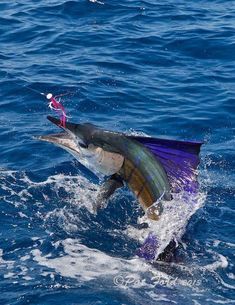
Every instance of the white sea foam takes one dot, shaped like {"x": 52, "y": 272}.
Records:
{"x": 80, "y": 190}
{"x": 7, "y": 264}
{"x": 96, "y": 1}
{"x": 82, "y": 193}
{"x": 87, "y": 264}
{"x": 214, "y": 301}
{"x": 220, "y": 262}
{"x": 173, "y": 220}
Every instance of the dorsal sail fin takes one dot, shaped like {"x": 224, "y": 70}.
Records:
{"x": 180, "y": 160}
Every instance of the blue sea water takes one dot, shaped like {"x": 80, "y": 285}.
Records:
{"x": 163, "y": 69}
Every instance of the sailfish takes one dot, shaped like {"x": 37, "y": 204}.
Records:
{"x": 152, "y": 168}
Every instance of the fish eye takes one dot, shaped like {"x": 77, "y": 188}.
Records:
{"x": 82, "y": 145}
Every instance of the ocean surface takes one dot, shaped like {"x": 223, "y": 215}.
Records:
{"x": 162, "y": 69}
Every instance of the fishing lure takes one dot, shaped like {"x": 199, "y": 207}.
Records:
{"x": 56, "y": 105}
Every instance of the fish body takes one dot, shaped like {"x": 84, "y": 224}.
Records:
{"x": 144, "y": 175}
{"x": 108, "y": 153}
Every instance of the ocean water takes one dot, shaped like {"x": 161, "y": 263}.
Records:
{"x": 163, "y": 69}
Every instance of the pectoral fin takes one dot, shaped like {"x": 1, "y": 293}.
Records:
{"x": 107, "y": 189}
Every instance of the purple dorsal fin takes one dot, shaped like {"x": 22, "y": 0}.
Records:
{"x": 180, "y": 160}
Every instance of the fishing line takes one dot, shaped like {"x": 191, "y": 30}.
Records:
{"x": 53, "y": 102}
{"x": 20, "y": 85}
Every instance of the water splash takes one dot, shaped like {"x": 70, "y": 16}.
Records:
{"x": 65, "y": 204}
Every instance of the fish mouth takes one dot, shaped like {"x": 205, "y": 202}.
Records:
{"x": 54, "y": 121}
{"x": 65, "y": 140}
{"x": 70, "y": 128}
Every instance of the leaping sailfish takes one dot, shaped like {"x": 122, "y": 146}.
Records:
{"x": 153, "y": 168}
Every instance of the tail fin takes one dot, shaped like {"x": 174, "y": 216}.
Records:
{"x": 149, "y": 248}
{"x": 180, "y": 160}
